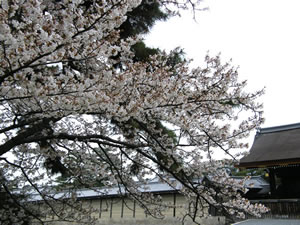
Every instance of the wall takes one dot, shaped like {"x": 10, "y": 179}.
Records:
{"x": 124, "y": 211}
{"x": 151, "y": 221}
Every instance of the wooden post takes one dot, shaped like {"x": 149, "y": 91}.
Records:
{"x": 111, "y": 208}
{"x": 272, "y": 181}
{"x": 174, "y": 203}
{"x": 133, "y": 208}
{"x": 122, "y": 209}
{"x": 100, "y": 211}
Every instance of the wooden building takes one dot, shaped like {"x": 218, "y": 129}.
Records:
{"x": 277, "y": 149}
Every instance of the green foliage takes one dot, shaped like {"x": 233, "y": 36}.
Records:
{"x": 65, "y": 182}
{"x": 231, "y": 103}
{"x": 141, "y": 19}
{"x": 56, "y": 166}
{"x": 176, "y": 56}
{"x": 249, "y": 172}
{"x": 165, "y": 131}
{"x": 142, "y": 52}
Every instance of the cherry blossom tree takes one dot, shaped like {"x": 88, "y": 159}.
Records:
{"x": 66, "y": 109}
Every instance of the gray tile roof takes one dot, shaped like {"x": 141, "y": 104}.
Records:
{"x": 274, "y": 146}
{"x": 153, "y": 186}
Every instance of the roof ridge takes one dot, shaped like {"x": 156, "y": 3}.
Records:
{"x": 279, "y": 128}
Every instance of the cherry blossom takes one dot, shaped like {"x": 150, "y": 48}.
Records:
{"x": 66, "y": 109}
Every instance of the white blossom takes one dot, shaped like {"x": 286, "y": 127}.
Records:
{"x": 62, "y": 98}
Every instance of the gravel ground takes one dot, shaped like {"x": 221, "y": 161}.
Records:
{"x": 268, "y": 222}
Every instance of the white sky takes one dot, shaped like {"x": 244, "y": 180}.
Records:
{"x": 261, "y": 36}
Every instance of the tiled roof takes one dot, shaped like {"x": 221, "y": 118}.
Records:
{"x": 274, "y": 146}
{"x": 153, "y": 186}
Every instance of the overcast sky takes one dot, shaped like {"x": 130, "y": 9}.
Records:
{"x": 261, "y": 36}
